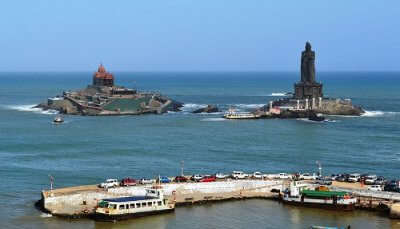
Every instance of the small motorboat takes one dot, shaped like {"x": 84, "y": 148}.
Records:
{"x": 58, "y": 120}
{"x": 315, "y": 117}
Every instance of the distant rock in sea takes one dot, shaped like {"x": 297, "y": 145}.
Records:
{"x": 207, "y": 109}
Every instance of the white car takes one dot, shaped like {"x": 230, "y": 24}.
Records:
{"x": 271, "y": 176}
{"x": 355, "y": 177}
{"x": 146, "y": 181}
{"x": 284, "y": 176}
{"x": 370, "y": 179}
{"x": 308, "y": 176}
{"x": 239, "y": 175}
{"x": 257, "y": 175}
{"x": 109, "y": 183}
{"x": 221, "y": 176}
{"x": 197, "y": 177}
{"x": 375, "y": 188}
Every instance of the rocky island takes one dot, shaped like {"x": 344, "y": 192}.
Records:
{"x": 102, "y": 97}
{"x": 308, "y": 99}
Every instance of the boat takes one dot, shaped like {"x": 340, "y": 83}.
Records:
{"x": 300, "y": 194}
{"x": 315, "y": 117}
{"x": 58, "y": 119}
{"x": 232, "y": 114}
{"x": 115, "y": 209}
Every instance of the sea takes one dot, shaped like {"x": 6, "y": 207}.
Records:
{"x": 87, "y": 150}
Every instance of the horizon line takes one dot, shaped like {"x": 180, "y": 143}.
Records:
{"x": 215, "y": 71}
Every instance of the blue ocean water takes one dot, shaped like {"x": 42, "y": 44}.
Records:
{"x": 86, "y": 150}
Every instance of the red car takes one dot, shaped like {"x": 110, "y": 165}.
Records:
{"x": 208, "y": 179}
{"x": 128, "y": 182}
{"x": 180, "y": 179}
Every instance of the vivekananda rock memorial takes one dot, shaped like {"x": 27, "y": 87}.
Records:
{"x": 103, "y": 97}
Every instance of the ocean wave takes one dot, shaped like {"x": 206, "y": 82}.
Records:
{"x": 192, "y": 106}
{"x": 379, "y": 113}
{"x": 31, "y": 108}
{"x": 247, "y": 106}
{"x": 278, "y": 94}
{"x": 46, "y": 215}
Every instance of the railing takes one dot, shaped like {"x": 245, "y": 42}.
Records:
{"x": 370, "y": 193}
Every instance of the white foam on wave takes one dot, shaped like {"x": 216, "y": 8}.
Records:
{"x": 46, "y": 215}
{"x": 192, "y": 106}
{"x": 379, "y": 113}
{"x": 247, "y": 106}
{"x": 31, "y": 108}
{"x": 278, "y": 94}
{"x": 213, "y": 120}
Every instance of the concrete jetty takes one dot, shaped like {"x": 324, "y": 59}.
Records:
{"x": 81, "y": 201}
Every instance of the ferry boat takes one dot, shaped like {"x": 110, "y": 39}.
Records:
{"x": 323, "y": 198}
{"x": 232, "y": 114}
{"x": 123, "y": 208}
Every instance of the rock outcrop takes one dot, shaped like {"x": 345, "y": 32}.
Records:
{"x": 207, "y": 109}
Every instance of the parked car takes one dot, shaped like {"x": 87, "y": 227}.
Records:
{"x": 308, "y": 176}
{"x": 146, "y": 181}
{"x": 180, "y": 179}
{"x": 380, "y": 180}
{"x": 354, "y": 177}
{"x": 196, "y": 177}
{"x": 335, "y": 176}
{"x": 109, "y": 183}
{"x": 370, "y": 179}
{"x": 239, "y": 175}
{"x": 208, "y": 179}
{"x": 323, "y": 181}
{"x": 257, "y": 175}
{"x": 392, "y": 186}
{"x": 221, "y": 176}
{"x": 363, "y": 177}
{"x": 375, "y": 188}
{"x": 128, "y": 182}
{"x": 271, "y": 176}
{"x": 284, "y": 176}
{"x": 343, "y": 177}
{"x": 163, "y": 180}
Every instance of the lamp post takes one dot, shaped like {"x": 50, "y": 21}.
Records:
{"x": 51, "y": 182}
{"x": 182, "y": 164}
{"x": 319, "y": 168}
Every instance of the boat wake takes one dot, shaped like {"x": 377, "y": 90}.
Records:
{"x": 30, "y": 108}
{"x": 379, "y": 113}
{"x": 311, "y": 121}
{"x": 213, "y": 120}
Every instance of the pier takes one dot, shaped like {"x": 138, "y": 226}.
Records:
{"x": 81, "y": 201}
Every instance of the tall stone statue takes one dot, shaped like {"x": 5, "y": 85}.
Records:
{"x": 308, "y": 65}
{"x": 308, "y": 88}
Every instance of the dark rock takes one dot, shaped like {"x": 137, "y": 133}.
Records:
{"x": 207, "y": 109}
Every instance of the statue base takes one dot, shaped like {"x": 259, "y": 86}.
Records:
{"x": 307, "y": 90}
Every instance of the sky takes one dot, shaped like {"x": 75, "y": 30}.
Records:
{"x": 198, "y": 35}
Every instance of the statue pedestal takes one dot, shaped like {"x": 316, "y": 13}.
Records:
{"x": 307, "y": 90}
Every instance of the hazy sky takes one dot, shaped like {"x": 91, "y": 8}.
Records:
{"x": 198, "y": 35}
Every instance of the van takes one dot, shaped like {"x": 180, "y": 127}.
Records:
{"x": 355, "y": 177}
